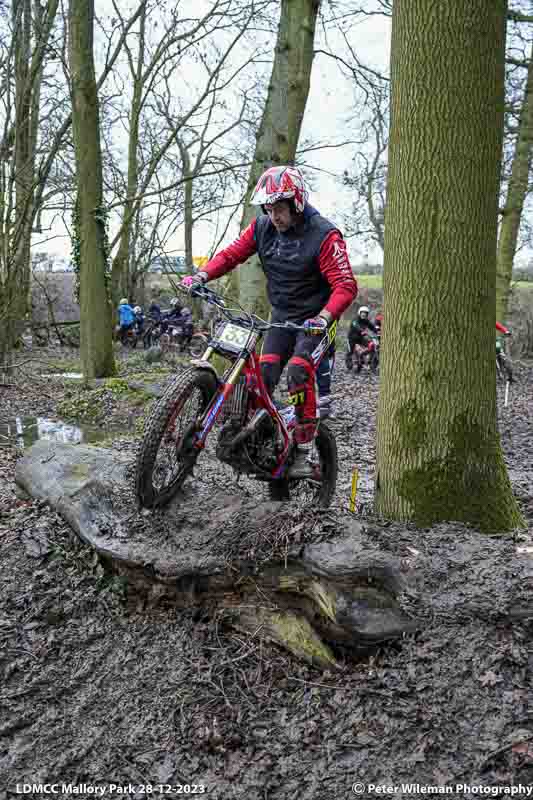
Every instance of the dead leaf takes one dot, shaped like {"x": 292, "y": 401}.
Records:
{"x": 489, "y": 678}
{"x": 524, "y": 749}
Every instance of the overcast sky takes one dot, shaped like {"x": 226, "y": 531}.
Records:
{"x": 330, "y": 105}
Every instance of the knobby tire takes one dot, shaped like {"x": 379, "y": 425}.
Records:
{"x": 326, "y": 447}
{"x": 163, "y": 416}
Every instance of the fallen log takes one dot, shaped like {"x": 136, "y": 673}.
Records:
{"x": 236, "y": 557}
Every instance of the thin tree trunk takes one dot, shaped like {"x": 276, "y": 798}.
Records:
{"x": 188, "y": 220}
{"x": 95, "y": 310}
{"x": 120, "y": 279}
{"x": 279, "y": 132}
{"x": 514, "y": 203}
{"x": 438, "y": 450}
{"x": 18, "y": 169}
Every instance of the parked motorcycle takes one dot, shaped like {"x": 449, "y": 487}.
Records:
{"x": 364, "y": 355}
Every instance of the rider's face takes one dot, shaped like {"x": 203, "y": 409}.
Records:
{"x": 280, "y": 215}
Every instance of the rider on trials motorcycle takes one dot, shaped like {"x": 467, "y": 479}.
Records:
{"x": 309, "y": 282}
{"x": 358, "y": 332}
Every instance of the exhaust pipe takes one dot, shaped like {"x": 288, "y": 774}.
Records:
{"x": 252, "y": 426}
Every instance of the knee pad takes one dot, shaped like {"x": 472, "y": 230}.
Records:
{"x": 297, "y": 375}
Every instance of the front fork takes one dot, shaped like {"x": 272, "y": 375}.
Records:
{"x": 221, "y": 395}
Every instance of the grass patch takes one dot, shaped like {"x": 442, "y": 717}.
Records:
{"x": 65, "y": 365}
{"x": 376, "y": 282}
{"x": 370, "y": 281}
{"x": 91, "y": 406}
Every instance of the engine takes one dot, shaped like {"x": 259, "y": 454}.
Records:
{"x": 256, "y": 453}
{"x": 247, "y": 441}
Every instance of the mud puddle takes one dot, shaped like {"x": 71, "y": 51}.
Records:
{"x": 25, "y": 431}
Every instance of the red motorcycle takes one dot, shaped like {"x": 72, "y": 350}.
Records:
{"x": 254, "y": 437}
{"x": 364, "y": 355}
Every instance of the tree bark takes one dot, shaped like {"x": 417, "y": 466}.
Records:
{"x": 19, "y": 148}
{"x": 188, "y": 217}
{"x": 121, "y": 285}
{"x": 514, "y": 203}
{"x": 95, "y": 311}
{"x": 23, "y": 161}
{"x": 438, "y": 450}
{"x": 277, "y": 138}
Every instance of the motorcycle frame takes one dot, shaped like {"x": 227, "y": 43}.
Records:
{"x": 248, "y": 364}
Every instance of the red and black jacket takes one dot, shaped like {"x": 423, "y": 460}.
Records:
{"x": 307, "y": 268}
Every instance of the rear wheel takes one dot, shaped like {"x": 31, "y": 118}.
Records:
{"x": 166, "y": 454}
{"x": 311, "y": 491}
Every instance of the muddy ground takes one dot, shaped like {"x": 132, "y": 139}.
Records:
{"x": 99, "y": 688}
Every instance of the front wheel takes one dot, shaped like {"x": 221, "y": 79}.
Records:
{"x": 166, "y": 454}
{"x": 313, "y": 492}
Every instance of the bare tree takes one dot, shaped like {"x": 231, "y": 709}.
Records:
{"x": 279, "y": 131}
{"x": 367, "y": 179}
{"x": 518, "y": 157}
{"x": 22, "y": 65}
{"x": 153, "y": 74}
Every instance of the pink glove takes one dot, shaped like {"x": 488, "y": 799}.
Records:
{"x": 190, "y": 281}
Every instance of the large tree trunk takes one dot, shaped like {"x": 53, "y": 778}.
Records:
{"x": 438, "y": 450}
{"x": 95, "y": 310}
{"x": 514, "y": 203}
{"x": 277, "y": 138}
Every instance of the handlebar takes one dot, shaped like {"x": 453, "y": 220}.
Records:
{"x": 251, "y": 321}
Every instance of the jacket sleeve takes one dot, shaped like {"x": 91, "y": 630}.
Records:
{"x": 335, "y": 267}
{"x": 238, "y": 251}
{"x": 501, "y": 328}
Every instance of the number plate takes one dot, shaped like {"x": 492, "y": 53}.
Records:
{"x": 232, "y": 336}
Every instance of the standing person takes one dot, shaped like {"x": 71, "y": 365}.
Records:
{"x": 188, "y": 327}
{"x": 139, "y": 320}
{"x": 154, "y": 311}
{"x": 309, "y": 282}
{"x": 126, "y": 319}
{"x": 172, "y": 316}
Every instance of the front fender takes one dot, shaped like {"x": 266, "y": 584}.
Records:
{"x": 199, "y": 363}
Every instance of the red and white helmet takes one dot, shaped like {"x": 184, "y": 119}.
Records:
{"x": 281, "y": 183}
